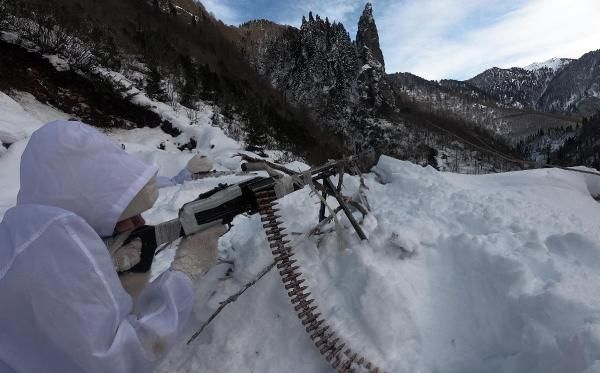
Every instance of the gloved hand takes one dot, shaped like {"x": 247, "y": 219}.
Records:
{"x": 199, "y": 163}
{"x": 198, "y": 253}
{"x": 127, "y": 256}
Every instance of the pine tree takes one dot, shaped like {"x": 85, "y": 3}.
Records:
{"x": 432, "y": 158}
{"x": 172, "y": 9}
{"x": 154, "y": 87}
{"x": 190, "y": 92}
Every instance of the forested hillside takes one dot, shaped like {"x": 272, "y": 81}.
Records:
{"x": 173, "y": 55}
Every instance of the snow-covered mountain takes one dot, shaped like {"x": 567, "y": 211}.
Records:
{"x": 166, "y": 49}
{"x": 319, "y": 66}
{"x": 515, "y": 87}
{"x": 559, "y": 85}
{"x": 576, "y": 89}
{"x": 555, "y": 64}
{"x": 344, "y": 83}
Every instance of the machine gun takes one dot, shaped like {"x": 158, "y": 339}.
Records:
{"x": 260, "y": 195}
{"x": 222, "y": 204}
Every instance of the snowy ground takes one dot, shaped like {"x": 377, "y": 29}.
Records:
{"x": 494, "y": 273}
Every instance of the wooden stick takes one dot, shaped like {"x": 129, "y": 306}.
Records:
{"x": 231, "y": 299}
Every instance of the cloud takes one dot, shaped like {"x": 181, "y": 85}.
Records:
{"x": 223, "y": 10}
{"x": 446, "y": 39}
{"x": 288, "y": 12}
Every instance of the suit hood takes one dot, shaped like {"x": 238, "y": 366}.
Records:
{"x": 74, "y": 167}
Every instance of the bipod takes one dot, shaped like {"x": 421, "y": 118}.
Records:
{"x": 327, "y": 188}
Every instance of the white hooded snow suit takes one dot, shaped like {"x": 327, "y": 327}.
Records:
{"x": 62, "y": 307}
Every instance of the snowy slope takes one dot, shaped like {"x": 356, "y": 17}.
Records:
{"x": 553, "y": 64}
{"x": 22, "y": 114}
{"x": 495, "y": 273}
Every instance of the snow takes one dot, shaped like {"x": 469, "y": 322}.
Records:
{"x": 15, "y": 123}
{"x": 461, "y": 273}
{"x": 492, "y": 273}
{"x": 364, "y": 68}
{"x": 9, "y": 37}
{"x": 193, "y": 123}
{"x": 19, "y": 117}
{"x": 59, "y": 64}
{"x": 553, "y": 63}
{"x": 40, "y": 111}
{"x": 22, "y": 114}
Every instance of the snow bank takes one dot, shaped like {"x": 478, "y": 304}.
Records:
{"x": 495, "y": 273}
{"x": 15, "y": 123}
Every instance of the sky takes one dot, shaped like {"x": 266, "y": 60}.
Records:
{"x": 447, "y": 39}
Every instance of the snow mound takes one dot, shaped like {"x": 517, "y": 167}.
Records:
{"x": 494, "y": 273}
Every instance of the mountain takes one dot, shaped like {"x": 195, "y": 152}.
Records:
{"x": 319, "y": 66}
{"x": 312, "y": 90}
{"x": 515, "y": 87}
{"x": 345, "y": 84}
{"x": 559, "y": 85}
{"x": 583, "y": 146}
{"x": 576, "y": 89}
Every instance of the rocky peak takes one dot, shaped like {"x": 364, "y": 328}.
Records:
{"x": 367, "y": 35}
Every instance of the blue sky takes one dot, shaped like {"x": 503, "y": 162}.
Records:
{"x": 455, "y": 39}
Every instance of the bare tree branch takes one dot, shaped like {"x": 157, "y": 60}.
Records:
{"x": 230, "y": 300}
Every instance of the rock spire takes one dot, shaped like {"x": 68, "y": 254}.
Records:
{"x": 367, "y": 35}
